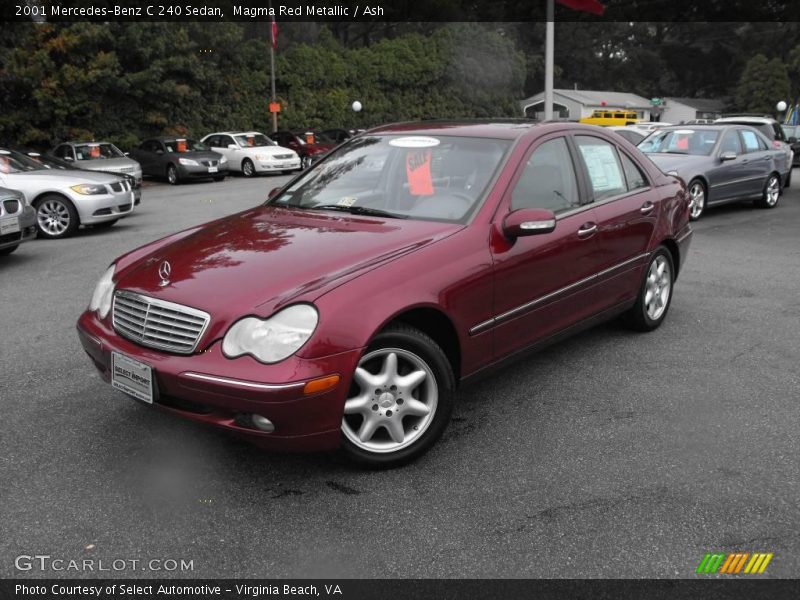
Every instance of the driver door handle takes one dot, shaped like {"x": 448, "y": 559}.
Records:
{"x": 587, "y": 230}
{"x": 647, "y": 208}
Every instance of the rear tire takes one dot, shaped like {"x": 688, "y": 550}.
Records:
{"x": 655, "y": 293}
{"x": 400, "y": 399}
{"x": 56, "y": 217}
{"x": 772, "y": 192}
{"x": 699, "y": 198}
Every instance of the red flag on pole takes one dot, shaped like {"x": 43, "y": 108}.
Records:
{"x": 274, "y": 35}
{"x": 590, "y": 6}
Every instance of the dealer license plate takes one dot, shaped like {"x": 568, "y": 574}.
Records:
{"x": 213, "y": 169}
{"x": 132, "y": 377}
{"x": 9, "y": 225}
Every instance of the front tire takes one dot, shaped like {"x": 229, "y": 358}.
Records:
{"x": 172, "y": 175}
{"x": 655, "y": 294}
{"x": 56, "y": 217}
{"x": 772, "y": 192}
{"x": 248, "y": 168}
{"x": 400, "y": 399}
{"x": 699, "y": 196}
{"x": 305, "y": 162}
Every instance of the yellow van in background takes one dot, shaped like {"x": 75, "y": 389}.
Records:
{"x": 610, "y": 117}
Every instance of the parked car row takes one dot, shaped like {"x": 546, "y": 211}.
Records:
{"x": 733, "y": 159}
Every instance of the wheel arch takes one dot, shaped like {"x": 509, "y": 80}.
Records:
{"x": 671, "y": 245}
{"x": 435, "y": 323}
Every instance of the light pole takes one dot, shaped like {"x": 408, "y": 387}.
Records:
{"x": 781, "y": 107}
{"x": 272, "y": 44}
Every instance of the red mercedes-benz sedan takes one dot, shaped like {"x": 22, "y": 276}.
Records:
{"x": 349, "y": 307}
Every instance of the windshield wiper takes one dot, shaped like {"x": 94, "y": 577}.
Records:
{"x": 358, "y": 210}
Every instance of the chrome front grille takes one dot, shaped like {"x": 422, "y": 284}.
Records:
{"x": 158, "y": 323}
{"x": 121, "y": 186}
{"x": 283, "y": 156}
{"x": 209, "y": 163}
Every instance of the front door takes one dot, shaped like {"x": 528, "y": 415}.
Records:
{"x": 541, "y": 280}
{"x": 725, "y": 177}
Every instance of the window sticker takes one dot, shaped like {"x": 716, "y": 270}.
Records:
{"x": 347, "y": 201}
{"x": 418, "y": 173}
{"x": 414, "y": 142}
{"x": 602, "y": 166}
{"x": 181, "y": 145}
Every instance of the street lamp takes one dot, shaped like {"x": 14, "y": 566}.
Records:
{"x": 781, "y": 106}
{"x": 357, "y": 106}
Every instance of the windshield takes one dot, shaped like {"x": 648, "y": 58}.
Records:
{"x": 97, "y": 151}
{"x": 698, "y": 142}
{"x": 181, "y": 145}
{"x": 16, "y": 162}
{"x": 438, "y": 178}
{"x": 253, "y": 140}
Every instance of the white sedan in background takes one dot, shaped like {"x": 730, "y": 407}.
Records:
{"x": 251, "y": 152}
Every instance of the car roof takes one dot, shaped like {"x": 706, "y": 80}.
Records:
{"x": 79, "y": 143}
{"x": 746, "y": 119}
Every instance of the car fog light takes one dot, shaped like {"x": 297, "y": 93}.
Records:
{"x": 263, "y": 423}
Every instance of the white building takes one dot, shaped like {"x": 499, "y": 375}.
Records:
{"x": 680, "y": 110}
{"x": 576, "y": 104}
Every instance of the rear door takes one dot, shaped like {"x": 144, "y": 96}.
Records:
{"x": 760, "y": 161}
{"x": 725, "y": 178}
{"x": 626, "y": 210}
{"x": 541, "y": 280}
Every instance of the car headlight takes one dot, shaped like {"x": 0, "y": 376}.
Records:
{"x": 103, "y": 293}
{"x": 88, "y": 189}
{"x": 188, "y": 162}
{"x": 274, "y": 339}
{"x": 223, "y": 160}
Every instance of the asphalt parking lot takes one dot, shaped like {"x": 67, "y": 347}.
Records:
{"x": 613, "y": 454}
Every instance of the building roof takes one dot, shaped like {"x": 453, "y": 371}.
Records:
{"x": 596, "y": 98}
{"x": 700, "y": 104}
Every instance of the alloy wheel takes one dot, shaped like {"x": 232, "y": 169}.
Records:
{"x": 172, "y": 175}
{"x": 698, "y": 202}
{"x": 393, "y": 402}
{"x": 773, "y": 191}
{"x": 247, "y": 168}
{"x": 54, "y": 218}
{"x": 657, "y": 287}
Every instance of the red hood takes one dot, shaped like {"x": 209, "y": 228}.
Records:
{"x": 255, "y": 261}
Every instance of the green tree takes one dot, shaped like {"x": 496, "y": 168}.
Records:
{"x": 762, "y": 84}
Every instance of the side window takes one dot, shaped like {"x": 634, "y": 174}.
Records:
{"x": 750, "y": 140}
{"x": 762, "y": 145}
{"x": 211, "y": 141}
{"x": 64, "y": 151}
{"x": 548, "y": 179}
{"x": 633, "y": 174}
{"x": 778, "y": 132}
{"x": 730, "y": 143}
{"x": 602, "y": 165}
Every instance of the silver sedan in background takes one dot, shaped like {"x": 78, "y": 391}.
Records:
{"x": 720, "y": 163}
{"x": 65, "y": 200}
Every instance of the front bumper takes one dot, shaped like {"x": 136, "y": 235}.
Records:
{"x": 201, "y": 172}
{"x": 27, "y": 229}
{"x": 100, "y": 208}
{"x": 209, "y": 388}
{"x": 684, "y": 240}
{"x": 269, "y": 166}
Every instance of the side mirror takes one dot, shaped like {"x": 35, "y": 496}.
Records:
{"x": 159, "y": 152}
{"x": 273, "y": 192}
{"x": 232, "y": 146}
{"x": 528, "y": 221}
{"x": 127, "y": 153}
{"x": 792, "y": 140}
{"x": 725, "y": 156}
{"x": 69, "y": 159}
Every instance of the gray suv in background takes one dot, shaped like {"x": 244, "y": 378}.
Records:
{"x": 98, "y": 156}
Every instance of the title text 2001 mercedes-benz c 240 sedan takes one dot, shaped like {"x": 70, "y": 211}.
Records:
{"x": 349, "y": 307}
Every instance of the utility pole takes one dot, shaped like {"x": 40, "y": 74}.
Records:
{"x": 549, "y": 45}
{"x": 272, "y": 40}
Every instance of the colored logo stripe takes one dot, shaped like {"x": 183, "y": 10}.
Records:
{"x": 734, "y": 563}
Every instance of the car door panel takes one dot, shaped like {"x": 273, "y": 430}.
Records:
{"x": 542, "y": 281}
{"x": 759, "y": 163}
{"x": 725, "y": 178}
